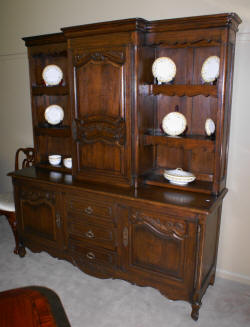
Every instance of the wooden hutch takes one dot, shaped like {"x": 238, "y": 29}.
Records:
{"x": 114, "y": 215}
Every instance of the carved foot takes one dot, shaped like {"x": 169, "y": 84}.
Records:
{"x": 21, "y": 251}
{"x": 212, "y": 280}
{"x": 195, "y": 310}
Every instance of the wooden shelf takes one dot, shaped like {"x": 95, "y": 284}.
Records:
{"x": 48, "y": 166}
{"x": 63, "y": 131}
{"x": 180, "y": 90}
{"x": 188, "y": 142}
{"x": 157, "y": 179}
{"x": 50, "y": 90}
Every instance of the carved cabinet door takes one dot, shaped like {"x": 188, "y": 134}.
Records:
{"x": 39, "y": 218}
{"x": 101, "y": 117}
{"x": 160, "y": 248}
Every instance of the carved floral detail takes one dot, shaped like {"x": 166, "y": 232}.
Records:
{"x": 38, "y": 196}
{"x": 105, "y": 129}
{"x": 170, "y": 228}
{"x": 115, "y": 57}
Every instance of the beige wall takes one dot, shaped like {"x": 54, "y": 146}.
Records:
{"x": 33, "y": 17}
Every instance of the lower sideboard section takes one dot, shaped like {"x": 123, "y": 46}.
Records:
{"x": 169, "y": 248}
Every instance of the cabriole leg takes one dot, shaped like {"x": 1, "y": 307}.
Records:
{"x": 11, "y": 217}
{"x": 195, "y": 310}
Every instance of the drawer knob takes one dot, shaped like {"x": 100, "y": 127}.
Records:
{"x": 88, "y": 210}
{"x": 90, "y": 255}
{"x": 89, "y": 234}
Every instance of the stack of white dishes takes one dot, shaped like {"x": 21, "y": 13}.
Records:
{"x": 178, "y": 176}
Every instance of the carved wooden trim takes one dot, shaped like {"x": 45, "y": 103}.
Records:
{"x": 104, "y": 129}
{"x": 37, "y": 197}
{"x": 189, "y": 44}
{"x": 117, "y": 58}
{"x": 170, "y": 228}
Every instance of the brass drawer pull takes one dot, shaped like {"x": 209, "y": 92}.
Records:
{"x": 90, "y": 255}
{"x": 89, "y": 234}
{"x": 88, "y": 210}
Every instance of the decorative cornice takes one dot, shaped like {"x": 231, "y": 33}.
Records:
{"x": 116, "y": 26}
{"x": 187, "y": 23}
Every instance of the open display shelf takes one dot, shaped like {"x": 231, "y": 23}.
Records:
{"x": 155, "y": 177}
{"x": 182, "y": 90}
{"x": 52, "y": 90}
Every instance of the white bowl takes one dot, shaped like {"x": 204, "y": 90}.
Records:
{"x": 67, "y": 162}
{"x": 55, "y": 159}
{"x": 178, "y": 176}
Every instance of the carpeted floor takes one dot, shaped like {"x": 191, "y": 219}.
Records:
{"x": 94, "y": 302}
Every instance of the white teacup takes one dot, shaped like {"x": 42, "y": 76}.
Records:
{"x": 67, "y": 162}
{"x": 55, "y": 159}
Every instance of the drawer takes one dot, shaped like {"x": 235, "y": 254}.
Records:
{"x": 91, "y": 231}
{"x": 87, "y": 255}
{"x": 90, "y": 208}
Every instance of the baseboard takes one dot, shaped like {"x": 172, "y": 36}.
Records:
{"x": 233, "y": 276}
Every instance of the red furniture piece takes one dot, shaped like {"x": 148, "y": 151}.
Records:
{"x": 31, "y": 307}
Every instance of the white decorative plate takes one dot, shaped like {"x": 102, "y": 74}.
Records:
{"x": 164, "y": 69}
{"x": 174, "y": 123}
{"x": 209, "y": 126}
{"x": 210, "y": 69}
{"x": 54, "y": 114}
{"x": 52, "y": 75}
{"x": 178, "y": 176}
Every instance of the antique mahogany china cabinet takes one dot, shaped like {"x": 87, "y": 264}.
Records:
{"x": 114, "y": 215}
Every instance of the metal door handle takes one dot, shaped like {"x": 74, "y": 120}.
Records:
{"x": 89, "y": 234}
{"x": 90, "y": 255}
{"x": 88, "y": 210}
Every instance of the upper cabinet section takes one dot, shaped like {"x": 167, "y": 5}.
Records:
{"x": 115, "y": 123}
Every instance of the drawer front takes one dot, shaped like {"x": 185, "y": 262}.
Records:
{"x": 91, "y": 231}
{"x": 90, "y": 208}
{"x": 94, "y": 258}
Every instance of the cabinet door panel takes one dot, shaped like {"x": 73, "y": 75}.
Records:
{"x": 155, "y": 251}
{"x": 159, "y": 248}
{"x": 39, "y": 220}
{"x": 101, "y": 121}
